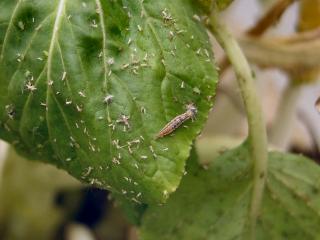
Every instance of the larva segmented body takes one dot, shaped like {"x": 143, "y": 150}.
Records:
{"x": 178, "y": 120}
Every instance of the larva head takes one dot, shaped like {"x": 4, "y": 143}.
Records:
{"x": 192, "y": 110}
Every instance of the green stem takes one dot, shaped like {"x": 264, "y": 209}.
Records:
{"x": 257, "y": 131}
{"x": 280, "y": 132}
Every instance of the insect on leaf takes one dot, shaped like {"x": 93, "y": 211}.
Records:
{"x": 87, "y": 85}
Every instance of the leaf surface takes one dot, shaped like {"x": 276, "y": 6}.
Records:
{"x": 215, "y": 203}
{"x": 87, "y": 85}
{"x": 206, "y": 5}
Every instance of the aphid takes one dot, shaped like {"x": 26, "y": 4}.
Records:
{"x": 30, "y": 86}
{"x": 178, "y": 120}
{"x": 108, "y": 99}
{"x": 124, "y": 119}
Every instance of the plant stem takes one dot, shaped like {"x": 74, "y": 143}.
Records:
{"x": 280, "y": 132}
{"x": 262, "y": 25}
{"x": 257, "y": 132}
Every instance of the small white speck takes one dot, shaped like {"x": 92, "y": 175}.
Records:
{"x": 30, "y": 87}
{"x": 130, "y": 150}
{"x": 196, "y": 17}
{"x": 21, "y": 25}
{"x": 143, "y": 110}
{"x": 116, "y": 161}
{"x": 108, "y": 99}
{"x": 82, "y": 94}
{"x": 94, "y": 24}
{"x": 110, "y": 61}
{"x": 124, "y": 66}
{"x": 79, "y": 109}
{"x": 64, "y": 74}
{"x": 89, "y": 170}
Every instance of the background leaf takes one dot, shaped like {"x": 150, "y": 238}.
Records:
{"x": 62, "y": 61}
{"x": 215, "y": 203}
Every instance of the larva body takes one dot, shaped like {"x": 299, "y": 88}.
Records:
{"x": 178, "y": 120}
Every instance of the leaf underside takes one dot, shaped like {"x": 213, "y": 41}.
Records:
{"x": 87, "y": 85}
{"x": 215, "y": 203}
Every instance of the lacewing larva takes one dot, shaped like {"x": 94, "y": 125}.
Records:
{"x": 178, "y": 121}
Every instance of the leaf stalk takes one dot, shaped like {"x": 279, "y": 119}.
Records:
{"x": 257, "y": 136}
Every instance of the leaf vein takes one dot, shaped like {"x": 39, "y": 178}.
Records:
{"x": 6, "y": 36}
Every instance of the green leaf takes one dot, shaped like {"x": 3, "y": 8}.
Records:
{"x": 72, "y": 72}
{"x": 207, "y": 5}
{"x": 223, "y": 4}
{"x": 215, "y": 203}
{"x": 133, "y": 211}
